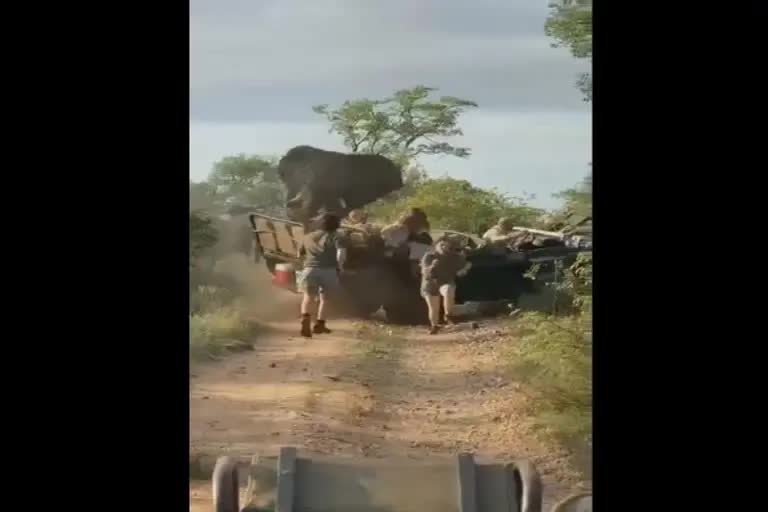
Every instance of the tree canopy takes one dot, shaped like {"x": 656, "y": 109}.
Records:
{"x": 577, "y": 206}
{"x": 249, "y": 180}
{"x": 202, "y": 235}
{"x": 570, "y": 25}
{"x": 578, "y": 200}
{"x": 405, "y": 125}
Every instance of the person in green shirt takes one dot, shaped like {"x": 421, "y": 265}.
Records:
{"x": 324, "y": 252}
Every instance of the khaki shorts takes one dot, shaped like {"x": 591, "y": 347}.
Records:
{"x": 314, "y": 280}
{"x": 433, "y": 289}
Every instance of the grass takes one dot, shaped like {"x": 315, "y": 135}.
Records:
{"x": 380, "y": 341}
{"x": 380, "y": 346}
{"x": 552, "y": 356}
{"x": 217, "y": 325}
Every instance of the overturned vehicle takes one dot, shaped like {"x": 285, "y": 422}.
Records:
{"x": 375, "y": 276}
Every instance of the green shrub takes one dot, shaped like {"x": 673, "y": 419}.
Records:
{"x": 202, "y": 235}
{"x": 213, "y": 333}
{"x": 208, "y": 298}
{"x": 553, "y": 356}
{"x": 457, "y": 205}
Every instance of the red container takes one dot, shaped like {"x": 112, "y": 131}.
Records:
{"x": 284, "y": 276}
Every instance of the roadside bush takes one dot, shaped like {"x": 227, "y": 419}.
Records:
{"x": 202, "y": 235}
{"x": 213, "y": 334}
{"x": 457, "y": 205}
{"x": 553, "y": 356}
{"x": 217, "y": 324}
{"x": 208, "y": 298}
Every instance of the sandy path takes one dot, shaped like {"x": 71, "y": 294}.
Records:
{"x": 281, "y": 393}
{"x": 367, "y": 390}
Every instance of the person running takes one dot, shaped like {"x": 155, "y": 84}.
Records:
{"x": 324, "y": 252}
{"x": 439, "y": 268}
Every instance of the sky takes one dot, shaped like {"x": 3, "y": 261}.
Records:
{"x": 258, "y": 66}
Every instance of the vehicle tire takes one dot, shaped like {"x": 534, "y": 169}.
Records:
{"x": 226, "y": 488}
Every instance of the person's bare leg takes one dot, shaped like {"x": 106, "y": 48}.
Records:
{"x": 448, "y": 291}
{"x": 321, "y": 307}
{"x": 307, "y": 305}
{"x": 433, "y": 306}
{"x": 320, "y": 327}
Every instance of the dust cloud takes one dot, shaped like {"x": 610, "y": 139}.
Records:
{"x": 255, "y": 293}
{"x": 231, "y": 265}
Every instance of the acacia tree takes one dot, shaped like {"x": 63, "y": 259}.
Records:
{"x": 401, "y": 127}
{"x": 570, "y": 24}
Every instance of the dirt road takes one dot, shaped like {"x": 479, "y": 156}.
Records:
{"x": 367, "y": 390}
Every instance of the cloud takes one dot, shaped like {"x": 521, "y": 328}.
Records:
{"x": 273, "y": 60}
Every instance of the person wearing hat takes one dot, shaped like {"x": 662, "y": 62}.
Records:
{"x": 324, "y": 252}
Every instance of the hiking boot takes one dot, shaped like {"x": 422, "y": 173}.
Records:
{"x": 434, "y": 329}
{"x": 450, "y": 320}
{"x": 306, "y": 329}
{"x": 320, "y": 328}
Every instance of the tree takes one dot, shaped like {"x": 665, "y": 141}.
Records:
{"x": 458, "y": 205}
{"x": 202, "y": 235}
{"x": 248, "y": 180}
{"x": 570, "y": 24}
{"x": 577, "y": 206}
{"x": 201, "y": 196}
{"x": 578, "y": 200}
{"x": 400, "y": 127}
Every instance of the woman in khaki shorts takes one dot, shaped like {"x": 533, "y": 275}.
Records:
{"x": 439, "y": 268}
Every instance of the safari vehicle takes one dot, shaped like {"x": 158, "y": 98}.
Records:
{"x": 372, "y": 279}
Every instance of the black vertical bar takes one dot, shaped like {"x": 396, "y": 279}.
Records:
{"x": 467, "y": 483}
{"x": 286, "y": 479}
